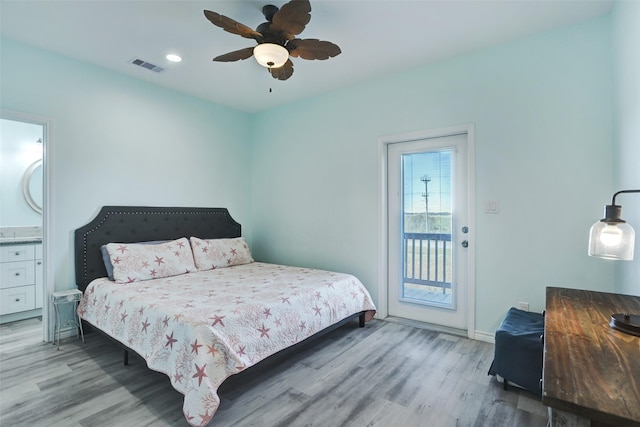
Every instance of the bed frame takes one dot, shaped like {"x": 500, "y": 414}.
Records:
{"x": 129, "y": 224}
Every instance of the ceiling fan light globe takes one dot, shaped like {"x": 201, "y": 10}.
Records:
{"x": 270, "y": 55}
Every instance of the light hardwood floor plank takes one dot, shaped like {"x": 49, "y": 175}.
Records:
{"x": 382, "y": 375}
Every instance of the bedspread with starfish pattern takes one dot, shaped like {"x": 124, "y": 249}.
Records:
{"x": 200, "y": 328}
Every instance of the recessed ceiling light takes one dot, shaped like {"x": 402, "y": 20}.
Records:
{"x": 173, "y": 58}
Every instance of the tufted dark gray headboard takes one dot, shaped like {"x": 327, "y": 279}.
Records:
{"x": 128, "y": 224}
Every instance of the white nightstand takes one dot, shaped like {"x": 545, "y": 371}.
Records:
{"x": 71, "y": 296}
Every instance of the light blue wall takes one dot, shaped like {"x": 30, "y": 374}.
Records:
{"x": 120, "y": 141}
{"x": 626, "y": 39}
{"x": 542, "y": 109}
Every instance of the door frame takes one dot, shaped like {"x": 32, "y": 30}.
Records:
{"x": 47, "y": 212}
{"x": 383, "y": 232}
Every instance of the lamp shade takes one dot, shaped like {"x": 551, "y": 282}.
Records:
{"x": 612, "y": 240}
{"x": 270, "y": 55}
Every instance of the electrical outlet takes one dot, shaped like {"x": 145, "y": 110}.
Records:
{"x": 523, "y": 305}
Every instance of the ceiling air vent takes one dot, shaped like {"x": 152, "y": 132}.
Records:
{"x": 147, "y": 65}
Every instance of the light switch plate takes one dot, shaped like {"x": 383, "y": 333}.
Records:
{"x": 492, "y": 207}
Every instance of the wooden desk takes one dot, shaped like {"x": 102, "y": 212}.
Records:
{"x": 591, "y": 370}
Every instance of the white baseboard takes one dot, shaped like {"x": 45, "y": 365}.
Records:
{"x": 485, "y": 336}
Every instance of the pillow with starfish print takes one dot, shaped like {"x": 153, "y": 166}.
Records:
{"x": 217, "y": 253}
{"x": 134, "y": 262}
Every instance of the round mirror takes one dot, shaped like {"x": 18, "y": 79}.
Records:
{"x": 32, "y": 185}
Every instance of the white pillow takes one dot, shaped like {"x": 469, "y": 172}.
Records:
{"x": 136, "y": 262}
{"x": 218, "y": 253}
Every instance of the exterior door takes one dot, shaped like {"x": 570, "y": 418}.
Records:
{"x": 428, "y": 231}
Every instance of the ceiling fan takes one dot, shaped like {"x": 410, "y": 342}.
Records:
{"x": 276, "y": 38}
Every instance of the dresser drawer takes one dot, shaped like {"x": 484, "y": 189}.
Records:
{"x": 18, "y": 299}
{"x": 17, "y": 253}
{"x": 18, "y": 273}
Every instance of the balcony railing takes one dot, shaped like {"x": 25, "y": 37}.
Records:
{"x": 428, "y": 260}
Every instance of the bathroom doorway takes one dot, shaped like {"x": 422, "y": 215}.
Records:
{"x": 24, "y": 284}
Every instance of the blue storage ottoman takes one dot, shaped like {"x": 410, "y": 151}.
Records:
{"x": 518, "y": 350}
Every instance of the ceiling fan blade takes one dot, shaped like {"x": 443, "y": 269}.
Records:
{"x": 284, "y": 72}
{"x": 236, "y": 55}
{"x": 232, "y": 26}
{"x": 312, "y": 49}
{"x": 291, "y": 18}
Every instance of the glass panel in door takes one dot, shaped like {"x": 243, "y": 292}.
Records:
{"x": 426, "y": 225}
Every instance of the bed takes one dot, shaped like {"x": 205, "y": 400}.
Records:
{"x": 202, "y": 319}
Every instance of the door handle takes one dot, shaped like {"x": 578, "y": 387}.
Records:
{"x": 465, "y": 243}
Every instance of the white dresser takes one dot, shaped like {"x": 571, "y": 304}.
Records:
{"x": 21, "y": 277}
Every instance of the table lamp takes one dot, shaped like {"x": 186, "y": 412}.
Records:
{"x": 613, "y": 238}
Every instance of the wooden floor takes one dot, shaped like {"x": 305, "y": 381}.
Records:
{"x": 385, "y": 374}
